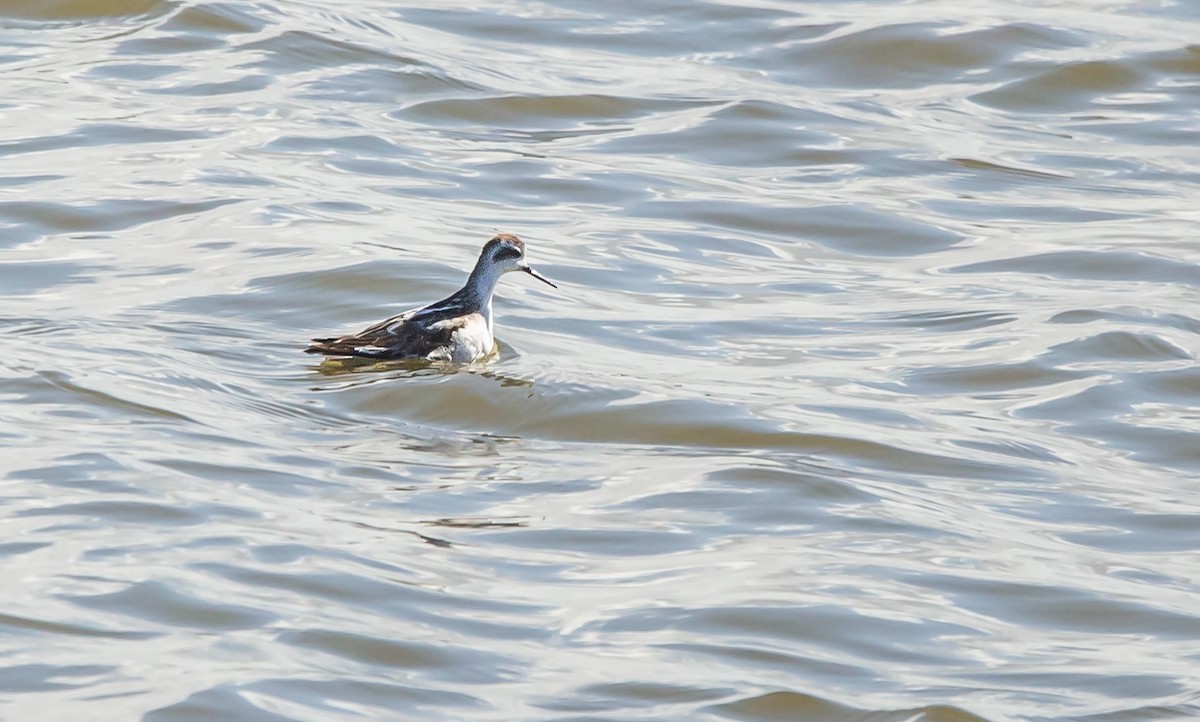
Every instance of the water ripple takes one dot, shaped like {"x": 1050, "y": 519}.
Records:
{"x": 868, "y": 392}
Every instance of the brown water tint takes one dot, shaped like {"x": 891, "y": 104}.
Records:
{"x": 870, "y": 391}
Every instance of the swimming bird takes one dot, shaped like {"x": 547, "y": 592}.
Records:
{"x": 456, "y": 329}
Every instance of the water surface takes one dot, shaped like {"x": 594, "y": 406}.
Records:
{"x": 869, "y": 391}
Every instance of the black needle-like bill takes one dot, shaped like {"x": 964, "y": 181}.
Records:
{"x": 537, "y": 275}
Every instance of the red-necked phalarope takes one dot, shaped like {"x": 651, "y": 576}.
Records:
{"x": 456, "y": 329}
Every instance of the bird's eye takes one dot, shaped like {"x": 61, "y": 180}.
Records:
{"x": 506, "y": 252}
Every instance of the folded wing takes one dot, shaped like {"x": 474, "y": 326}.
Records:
{"x": 401, "y": 336}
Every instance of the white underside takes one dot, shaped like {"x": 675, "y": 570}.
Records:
{"x": 470, "y": 343}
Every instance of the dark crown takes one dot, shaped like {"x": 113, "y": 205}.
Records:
{"x": 504, "y": 245}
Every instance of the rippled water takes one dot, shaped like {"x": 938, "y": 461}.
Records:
{"x": 869, "y": 392}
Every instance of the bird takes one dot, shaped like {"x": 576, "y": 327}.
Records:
{"x": 457, "y": 329}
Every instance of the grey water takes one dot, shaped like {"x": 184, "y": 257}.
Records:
{"x": 869, "y": 390}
